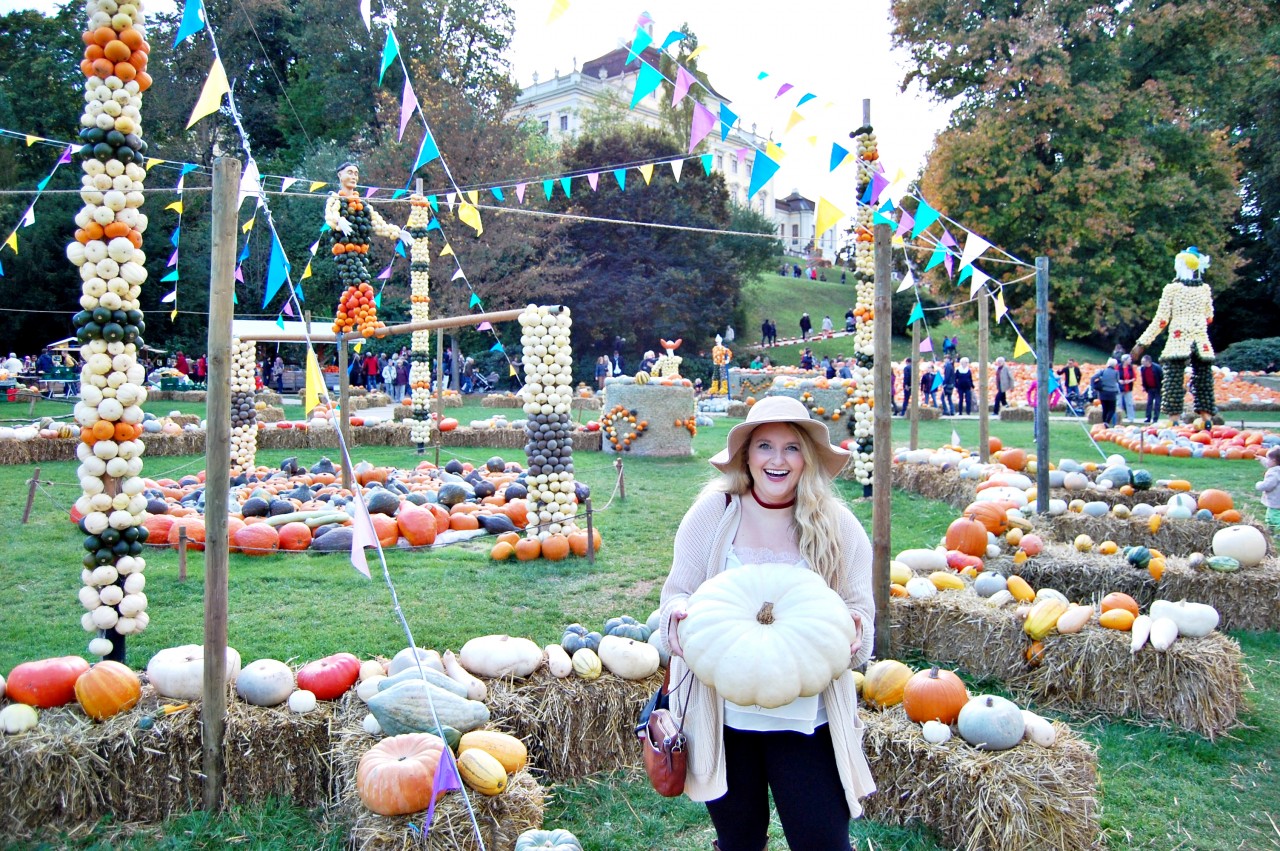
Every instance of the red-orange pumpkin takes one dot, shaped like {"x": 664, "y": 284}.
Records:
{"x": 158, "y": 528}
{"x": 934, "y": 695}
{"x": 417, "y": 525}
{"x": 195, "y": 532}
{"x": 295, "y": 536}
{"x": 257, "y": 539}
{"x": 386, "y": 529}
{"x": 1014, "y": 459}
{"x": 441, "y": 515}
{"x": 990, "y": 514}
{"x": 528, "y": 548}
{"x": 958, "y": 561}
{"x": 1216, "y": 501}
{"x": 555, "y": 547}
{"x": 397, "y": 775}
{"x": 967, "y": 536}
{"x": 46, "y": 683}
{"x": 1119, "y": 600}
{"x": 107, "y": 689}
{"x": 578, "y": 541}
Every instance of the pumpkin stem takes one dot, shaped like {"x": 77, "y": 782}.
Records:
{"x": 933, "y": 673}
{"x": 765, "y": 615}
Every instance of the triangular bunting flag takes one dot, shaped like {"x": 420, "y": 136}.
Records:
{"x": 248, "y": 226}
{"x": 390, "y": 50}
{"x": 520, "y": 191}
{"x": 620, "y": 175}
{"x": 446, "y": 779}
{"x": 286, "y": 182}
{"x": 904, "y": 223}
{"x": 427, "y": 152}
{"x": 828, "y": 215}
{"x": 434, "y": 202}
{"x": 277, "y": 270}
{"x": 926, "y": 345}
{"x": 316, "y": 184}
{"x": 170, "y": 278}
{"x": 306, "y": 273}
{"x": 1001, "y": 310}
{"x": 458, "y": 273}
{"x": 548, "y": 186}
{"x": 683, "y": 81}
{"x": 497, "y": 194}
{"x": 215, "y": 86}
{"x": 408, "y": 103}
{"x": 176, "y": 206}
{"x": 647, "y": 82}
{"x": 925, "y": 216}
{"x": 672, "y": 38}
{"x": 29, "y": 217}
{"x": 676, "y": 167}
{"x": 783, "y": 89}
{"x": 706, "y": 163}
{"x": 646, "y": 171}
{"x": 566, "y": 183}
{"x": 638, "y": 44}
{"x": 475, "y": 301}
{"x": 31, "y": 140}
{"x": 908, "y": 281}
{"x": 151, "y": 162}
{"x": 838, "y": 155}
{"x": 701, "y": 125}
{"x": 470, "y": 216}
{"x": 473, "y": 196}
{"x": 955, "y": 437}
{"x": 974, "y": 246}
{"x": 280, "y": 320}
{"x": 917, "y": 314}
{"x": 1021, "y": 348}
{"x": 558, "y": 8}
{"x": 170, "y": 298}
{"x": 447, "y": 251}
{"x": 250, "y": 183}
{"x": 385, "y": 273}
{"x": 805, "y": 99}
{"x": 980, "y": 279}
{"x": 593, "y": 180}
{"x": 12, "y": 241}
{"x": 795, "y": 119}
{"x": 727, "y": 117}
{"x": 497, "y": 347}
{"x": 484, "y": 326}
{"x": 192, "y": 21}
{"x": 882, "y": 218}
{"x": 173, "y": 259}
{"x": 761, "y": 174}
{"x": 697, "y": 51}
{"x": 362, "y": 534}
{"x": 938, "y": 255}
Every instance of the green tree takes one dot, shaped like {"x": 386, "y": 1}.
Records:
{"x": 1081, "y": 134}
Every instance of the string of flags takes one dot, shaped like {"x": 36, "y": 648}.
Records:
{"x": 29, "y": 216}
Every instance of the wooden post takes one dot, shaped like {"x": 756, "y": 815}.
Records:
{"x": 1142, "y": 445}
{"x": 914, "y": 385}
{"x": 213, "y": 703}
{"x": 882, "y": 442}
{"x": 1044, "y": 370}
{"x": 31, "y": 495}
{"x": 984, "y": 393}
{"x": 182, "y": 548}
{"x": 622, "y": 477}
{"x": 591, "y": 535}
{"x": 344, "y": 399}
{"x": 439, "y": 412}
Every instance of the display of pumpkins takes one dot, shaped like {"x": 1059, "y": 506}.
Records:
{"x": 933, "y": 695}
{"x": 765, "y": 635}
{"x": 991, "y": 723}
{"x": 397, "y": 775}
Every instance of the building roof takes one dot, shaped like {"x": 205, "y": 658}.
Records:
{"x": 615, "y": 64}
{"x": 794, "y": 203}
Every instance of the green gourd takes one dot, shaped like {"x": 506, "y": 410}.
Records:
{"x": 406, "y": 708}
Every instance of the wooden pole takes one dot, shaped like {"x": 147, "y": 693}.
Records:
{"x": 344, "y": 400}
{"x": 449, "y": 322}
{"x": 882, "y": 442}
{"x": 622, "y": 477}
{"x": 591, "y": 535}
{"x": 438, "y": 414}
{"x": 213, "y": 703}
{"x": 182, "y": 549}
{"x": 31, "y": 495}
{"x": 984, "y": 394}
{"x": 1044, "y": 369}
{"x": 914, "y": 386}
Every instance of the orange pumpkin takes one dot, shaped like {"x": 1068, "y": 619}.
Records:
{"x": 441, "y": 514}
{"x": 397, "y": 775}
{"x": 511, "y": 538}
{"x": 528, "y": 549}
{"x": 578, "y": 541}
{"x": 386, "y": 529}
{"x": 967, "y": 536}
{"x": 502, "y": 551}
{"x": 1119, "y": 600}
{"x": 1217, "y": 501}
{"x": 107, "y": 689}
{"x": 555, "y": 547}
{"x": 195, "y": 532}
{"x": 464, "y": 521}
{"x": 257, "y": 539}
{"x": 517, "y": 511}
{"x": 994, "y": 444}
{"x": 992, "y": 515}
{"x": 417, "y": 525}
{"x": 296, "y": 536}
{"x": 158, "y": 528}
{"x": 1014, "y": 459}
{"x": 934, "y": 695}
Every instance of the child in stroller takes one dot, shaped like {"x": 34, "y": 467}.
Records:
{"x": 481, "y": 383}
{"x": 1079, "y": 399}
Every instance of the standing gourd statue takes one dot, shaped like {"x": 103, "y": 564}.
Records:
{"x": 352, "y": 222}
{"x": 721, "y": 356}
{"x": 668, "y": 366}
{"x": 1186, "y": 311}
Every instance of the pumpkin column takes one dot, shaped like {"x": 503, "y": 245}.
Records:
{"x": 244, "y": 415}
{"x": 861, "y": 423}
{"x": 547, "y": 395}
{"x": 420, "y": 311}
{"x": 108, "y": 252}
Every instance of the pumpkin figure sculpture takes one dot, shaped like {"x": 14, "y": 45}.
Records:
{"x": 668, "y": 365}
{"x": 1186, "y": 311}
{"x": 352, "y": 221}
{"x": 720, "y": 356}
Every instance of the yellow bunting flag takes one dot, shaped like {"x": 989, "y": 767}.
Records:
{"x": 152, "y": 162}
{"x": 306, "y": 273}
{"x": 470, "y": 216}
{"x": 248, "y": 226}
{"x": 511, "y": 370}
{"x": 828, "y": 215}
{"x": 31, "y": 140}
{"x": 177, "y": 206}
{"x": 173, "y": 315}
{"x": 774, "y": 152}
{"x": 813, "y": 141}
{"x": 697, "y": 51}
{"x": 446, "y": 251}
{"x": 12, "y": 241}
{"x": 1001, "y": 310}
{"x": 474, "y": 196}
{"x": 315, "y": 383}
{"x": 795, "y": 119}
{"x": 316, "y": 184}
{"x": 1021, "y": 348}
{"x": 558, "y": 8}
{"x": 646, "y": 171}
{"x": 211, "y": 95}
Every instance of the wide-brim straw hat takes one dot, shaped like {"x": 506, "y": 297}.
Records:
{"x": 782, "y": 409}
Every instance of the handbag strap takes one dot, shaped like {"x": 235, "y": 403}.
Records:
{"x": 665, "y": 681}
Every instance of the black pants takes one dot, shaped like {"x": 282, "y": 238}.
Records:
{"x": 966, "y": 401}
{"x": 801, "y": 771}
{"x": 1153, "y": 405}
{"x": 1001, "y": 399}
{"x": 1108, "y": 410}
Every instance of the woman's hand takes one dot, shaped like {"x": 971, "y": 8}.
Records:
{"x": 673, "y": 640}
{"x": 857, "y": 642}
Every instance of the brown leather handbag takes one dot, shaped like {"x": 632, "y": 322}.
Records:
{"x": 663, "y": 742}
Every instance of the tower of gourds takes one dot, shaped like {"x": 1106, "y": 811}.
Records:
{"x": 108, "y": 253}
{"x": 861, "y": 424}
{"x": 548, "y": 396}
{"x": 419, "y": 311}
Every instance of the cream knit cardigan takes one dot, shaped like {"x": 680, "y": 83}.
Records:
{"x": 702, "y": 544}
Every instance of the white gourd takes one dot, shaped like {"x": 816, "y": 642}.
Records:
{"x": 500, "y": 656}
{"x": 1141, "y": 631}
{"x": 935, "y": 732}
{"x": 1164, "y": 631}
{"x": 1038, "y": 729}
{"x": 558, "y": 661}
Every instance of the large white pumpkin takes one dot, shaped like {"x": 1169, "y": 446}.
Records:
{"x": 178, "y": 672}
{"x": 766, "y": 634}
{"x": 1245, "y": 544}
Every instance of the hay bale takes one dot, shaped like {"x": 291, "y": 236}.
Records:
{"x": 1175, "y": 537}
{"x": 585, "y": 403}
{"x": 270, "y": 415}
{"x": 501, "y": 400}
{"x": 660, "y": 406}
{"x": 935, "y": 483}
{"x": 737, "y": 409}
{"x": 1011, "y": 414}
{"x": 1093, "y": 416}
{"x": 1023, "y": 798}
{"x": 573, "y": 727}
{"x": 1247, "y": 600}
{"x": 1198, "y": 684}
{"x": 184, "y": 419}
{"x": 501, "y": 818}
{"x": 270, "y": 397}
{"x": 70, "y": 772}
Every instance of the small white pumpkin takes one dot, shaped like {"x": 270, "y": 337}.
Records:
{"x": 372, "y": 668}
{"x": 367, "y": 688}
{"x": 178, "y": 672}
{"x": 18, "y": 718}
{"x": 302, "y": 701}
{"x": 558, "y": 661}
{"x": 1245, "y": 544}
{"x": 586, "y": 663}
{"x": 919, "y": 587}
{"x": 1038, "y": 729}
{"x": 371, "y": 726}
{"x": 265, "y": 682}
{"x": 1194, "y": 620}
{"x": 500, "y": 656}
{"x": 628, "y": 658}
{"x": 1164, "y": 631}
{"x": 935, "y": 732}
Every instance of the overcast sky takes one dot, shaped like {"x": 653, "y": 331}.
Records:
{"x": 839, "y": 51}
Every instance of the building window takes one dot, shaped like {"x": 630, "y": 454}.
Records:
{"x": 733, "y": 163}
{"x": 782, "y": 230}
{"x": 546, "y": 127}
{"x": 564, "y": 123}
{"x": 720, "y": 163}
{"x": 795, "y": 231}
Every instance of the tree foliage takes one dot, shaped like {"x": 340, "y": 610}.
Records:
{"x": 1095, "y": 134}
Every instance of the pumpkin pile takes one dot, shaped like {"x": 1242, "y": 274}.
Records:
{"x": 864, "y": 272}
{"x": 1195, "y": 440}
{"x": 108, "y": 252}
{"x": 419, "y": 311}
{"x": 626, "y": 648}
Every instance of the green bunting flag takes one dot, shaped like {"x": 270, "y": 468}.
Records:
{"x": 925, "y": 216}
{"x": 390, "y": 51}
{"x": 939, "y": 254}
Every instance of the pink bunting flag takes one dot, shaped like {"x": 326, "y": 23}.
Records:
{"x": 385, "y": 273}
{"x": 362, "y": 535}
{"x": 173, "y": 259}
{"x": 683, "y": 81}
{"x": 593, "y": 178}
{"x": 408, "y": 103}
{"x": 288, "y": 308}
{"x": 520, "y": 191}
{"x": 926, "y": 345}
{"x": 904, "y": 226}
{"x": 239, "y": 275}
{"x": 368, "y": 193}
{"x": 66, "y": 155}
{"x": 786, "y": 87}
{"x": 704, "y": 120}
{"x": 484, "y": 326}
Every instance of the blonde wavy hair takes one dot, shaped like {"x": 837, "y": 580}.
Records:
{"x": 816, "y": 516}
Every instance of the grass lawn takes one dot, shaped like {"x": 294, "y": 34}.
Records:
{"x": 1158, "y": 789}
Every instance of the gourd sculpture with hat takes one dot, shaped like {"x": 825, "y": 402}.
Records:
{"x": 720, "y": 356}
{"x": 1186, "y": 311}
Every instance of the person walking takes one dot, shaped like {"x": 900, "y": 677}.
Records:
{"x": 928, "y": 384}
{"x": 1004, "y": 385}
{"x": 773, "y": 508}
{"x": 849, "y": 321}
{"x": 371, "y": 372}
{"x": 402, "y": 378}
{"x": 277, "y": 372}
{"x": 1106, "y": 383}
{"x": 602, "y": 371}
{"x": 828, "y": 327}
{"x": 1128, "y": 377}
{"x": 764, "y": 332}
{"x": 948, "y": 386}
{"x": 468, "y": 375}
{"x": 1070, "y": 378}
{"x": 773, "y": 333}
{"x": 202, "y": 369}
{"x": 964, "y": 387}
{"x": 389, "y": 379}
{"x": 906, "y": 385}
{"x": 1152, "y": 375}
{"x": 181, "y": 364}
{"x": 806, "y": 325}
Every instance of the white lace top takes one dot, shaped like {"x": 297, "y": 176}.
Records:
{"x": 802, "y": 715}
